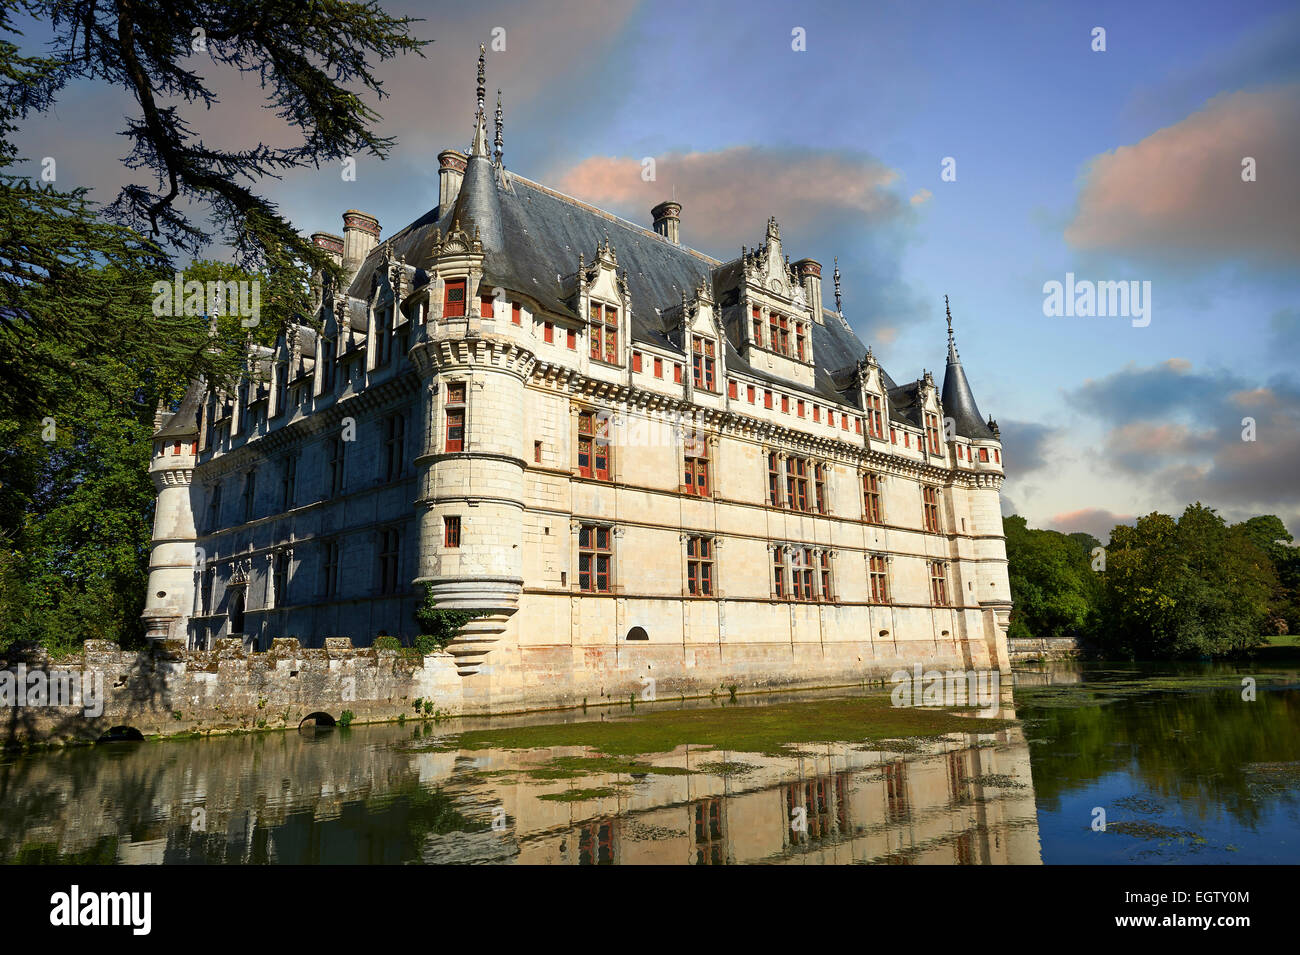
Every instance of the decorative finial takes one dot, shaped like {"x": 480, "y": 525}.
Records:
{"x": 499, "y": 142}
{"x": 839, "y": 309}
{"x": 480, "y": 145}
{"x": 482, "y": 76}
{"x": 952, "y": 344}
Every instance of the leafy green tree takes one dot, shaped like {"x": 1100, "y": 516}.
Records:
{"x": 85, "y": 358}
{"x": 1187, "y": 588}
{"x": 1053, "y": 590}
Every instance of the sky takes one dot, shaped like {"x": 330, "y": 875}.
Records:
{"x": 1122, "y": 164}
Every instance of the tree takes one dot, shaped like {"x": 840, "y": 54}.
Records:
{"x": 1053, "y": 589}
{"x": 314, "y": 60}
{"x": 1187, "y": 588}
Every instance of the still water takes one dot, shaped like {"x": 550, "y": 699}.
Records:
{"x": 1182, "y": 767}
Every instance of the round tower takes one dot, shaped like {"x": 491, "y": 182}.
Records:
{"x": 169, "y": 601}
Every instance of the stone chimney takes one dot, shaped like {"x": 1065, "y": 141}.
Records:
{"x": 331, "y": 243}
{"x": 810, "y": 277}
{"x": 667, "y": 218}
{"x": 360, "y": 235}
{"x": 451, "y": 172}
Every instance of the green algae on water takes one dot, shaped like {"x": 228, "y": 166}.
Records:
{"x": 771, "y": 729}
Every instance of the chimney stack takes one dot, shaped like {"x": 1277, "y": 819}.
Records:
{"x": 331, "y": 243}
{"x": 810, "y": 277}
{"x": 451, "y": 172}
{"x": 360, "y": 235}
{"x": 667, "y": 218}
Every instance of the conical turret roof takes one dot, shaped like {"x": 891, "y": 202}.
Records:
{"x": 958, "y": 400}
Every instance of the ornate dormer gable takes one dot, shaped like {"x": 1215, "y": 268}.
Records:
{"x": 932, "y": 415}
{"x": 776, "y": 330}
{"x": 455, "y": 275}
{"x": 696, "y": 326}
{"x": 605, "y": 301}
{"x": 767, "y": 267}
{"x": 873, "y": 396}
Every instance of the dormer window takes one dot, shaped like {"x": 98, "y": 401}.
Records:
{"x": 703, "y": 363}
{"x": 875, "y": 417}
{"x": 932, "y": 431}
{"x": 453, "y": 299}
{"x": 758, "y": 327}
{"x": 604, "y": 332}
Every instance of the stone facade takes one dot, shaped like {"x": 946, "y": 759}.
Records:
{"x": 643, "y": 467}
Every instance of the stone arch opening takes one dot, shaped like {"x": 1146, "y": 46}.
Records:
{"x": 320, "y": 718}
{"x": 122, "y": 734}
{"x": 236, "y": 612}
{"x": 637, "y": 633}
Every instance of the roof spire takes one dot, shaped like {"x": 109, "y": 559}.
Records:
{"x": 958, "y": 402}
{"x": 952, "y": 344}
{"x": 839, "y": 310}
{"x": 480, "y": 146}
{"x": 499, "y": 142}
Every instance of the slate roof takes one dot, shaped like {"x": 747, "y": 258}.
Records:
{"x": 532, "y": 237}
{"x": 184, "y": 422}
{"x": 959, "y": 401}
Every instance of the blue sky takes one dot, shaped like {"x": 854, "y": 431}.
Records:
{"x": 1114, "y": 165}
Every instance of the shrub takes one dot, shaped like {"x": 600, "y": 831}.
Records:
{"x": 387, "y": 642}
{"x": 438, "y": 627}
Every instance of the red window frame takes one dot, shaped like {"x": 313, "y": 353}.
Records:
{"x": 453, "y": 298}
{"x": 703, "y": 366}
{"x": 659, "y": 367}
{"x": 451, "y": 531}
{"x": 636, "y": 361}
{"x": 932, "y": 431}
{"x": 733, "y": 390}
{"x": 778, "y": 572}
{"x": 758, "y": 327}
{"x": 455, "y": 406}
{"x": 516, "y": 314}
{"x": 548, "y": 332}
{"x": 796, "y": 484}
{"x": 773, "y": 479}
{"x": 485, "y": 306}
{"x": 872, "y": 503}
{"x": 595, "y": 555}
{"x": 876, "y": 570}
{"x": 875, "y": 419}
{"x": 696, "y": 478}
{"x": 938, "y": 584}
{"x": 930, "y": 505}
{"x": 602, "y": 321}
{"x": 593, "y": 446}
{"x": 819, "y": 484}
{"x": 699, "y": 566}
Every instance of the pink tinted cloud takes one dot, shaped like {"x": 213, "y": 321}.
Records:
{"x": 717, "y": 190}
{"x": 1178, "y": 194}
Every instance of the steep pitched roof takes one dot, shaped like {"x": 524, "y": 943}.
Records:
{"x": 184, "y": 422}
{"x": 532, "y": 237}
{"x": 958, "y": 400}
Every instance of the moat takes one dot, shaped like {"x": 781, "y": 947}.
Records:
{"x": 1184, "y": 768}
